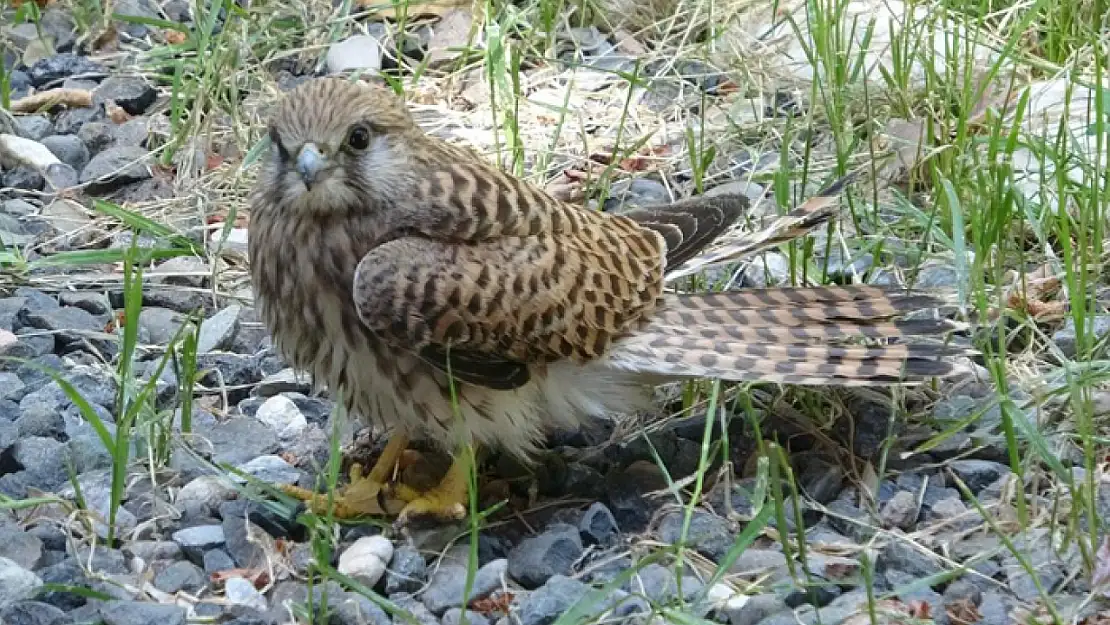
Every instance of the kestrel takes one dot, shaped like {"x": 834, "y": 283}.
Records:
{"x": 382, "y": 258}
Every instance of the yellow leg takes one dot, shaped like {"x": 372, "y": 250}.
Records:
{"x": 364, "y": 494}
{"x": 446, "y": 501}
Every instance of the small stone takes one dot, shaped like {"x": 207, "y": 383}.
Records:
{"x": 551, "y": 600}
{"x": 180, "y": 576}
{"x": 271, "y": 469}
{"x": 70, "y": 325}
{"x": 707, "y": 533}
{"x": 160, "y": 324}
{"x": 598, "y": 526}
{"x": 629, "y": 193}
{"x": 34, "y": 127}
{"x": 16, "y": 582}
{"x": 239, "y": 591}
{"x": 366, "y": 559}
{"x": 24, "y": 178}
{"x": 407, "y": 571}
{"x": 132, "y": 93}
{"x": 900, "y": 511}
{"x": 196, "y": 540}
{"x": 360, "y": 52}
{"x": 31, "y": 613}
{"x": 415, "y": 609}
{"x": 41, "y": 458}
{"x": 150, "y": 550}
{"x": 218, "y": 332}
{"x": 283, "y": 415}
{"x": 216, "y": 560}
{"x": 754, "y": 562}
{"x": 626, "y": 494}
{"x": 70, "y": 121}
{"x": 132, "y": 132}
{"x": 963, "y": 590}
{"x": 750, "y": 190}
{"x": 445, "y": 588}
{"x": 355, "y": 609}
{"x": 454, "y": 616}
{"x": 767, "y": 269}
{"x": 537, "y": 558}
{"x": 59, "y": 177}
{"x": 750, "y": 610}
{"x": 61, "y": 66}
{"x": 658, "y": 583}
{"x": 995, "y": 609}
{"x": 141, "y": 613}
{"x": 900, "y": 555}
{"x": 978, "y": 474}
{"x": 18, "y": 208}
{"x": 69, "y": 149}
{"x": 96, "y": 136}
{"x": 20, "y": 547}
{"x": 115, "y": 167}
{"x": 202, "y": 496}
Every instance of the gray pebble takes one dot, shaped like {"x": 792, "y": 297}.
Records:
{"x": 61, "y": 66}
{"x": 115, "y": 167}
{"x": 141, "y": 613}
{"x": 598, "y": 526}
{"x": 548, "y": 602}
{"x": 97, "y": 136}
{"x": 34, "y": 127}
{"x": 216, "y": 560}
{"x": 16, "y": 582}
{"x": 196, "y": 540}
{"x": 535, "y": 559}
{"x": 20, "y": 547}
{"x": 708, "y": 534}
{"x": 180, "y": 576}
{"x": 27, "y": 612}
{"x": 406, "y": 571}
{"x": 978, "y": 474}
{"x": 22, "y": 177}
{"x": 70, "y": 121}
{"x": 900, "y": 511}
{"x": 131, "y": 93}
{"x": 218, "y": 331}
{"x": 454, "y": 616}
{"x": 69, "y": 149}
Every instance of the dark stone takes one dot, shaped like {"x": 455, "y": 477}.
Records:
{"x": 61, "y": 66}
{"x": 598, "y": 526}
{"x": 132, "y": 93}
{"x": 22, "y": 177}
{"x": 538, "y": 558}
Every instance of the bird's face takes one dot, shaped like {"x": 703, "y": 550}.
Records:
{"x": 338, "y": 146}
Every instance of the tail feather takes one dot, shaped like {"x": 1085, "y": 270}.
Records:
{"x": 851, "y": 335}
{"x": 689, "y": 225}
{"x": 807, "y": 216}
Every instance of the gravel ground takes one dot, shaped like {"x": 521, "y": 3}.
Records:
{"x": 191, "y": 547}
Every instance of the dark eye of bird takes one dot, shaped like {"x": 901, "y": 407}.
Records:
{"x": 359, "y": 138}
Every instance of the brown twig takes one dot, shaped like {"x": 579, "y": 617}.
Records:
{"x": 72, "y": 98}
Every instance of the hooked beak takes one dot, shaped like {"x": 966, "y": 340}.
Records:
{"x": 310, "y": 163}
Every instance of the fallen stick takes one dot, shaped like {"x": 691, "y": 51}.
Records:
{"x": 72, "y": 98}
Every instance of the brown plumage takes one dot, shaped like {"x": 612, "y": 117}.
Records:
{"x": 377, "y": 250}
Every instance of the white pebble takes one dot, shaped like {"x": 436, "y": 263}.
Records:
{"x": 366, "y": 559}
{"x": 239, "y": 591}
{"x": 16, "y": 151}
{"x": 281, "y": 413}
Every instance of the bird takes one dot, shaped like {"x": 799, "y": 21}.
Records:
{"x": 438, "y": 296}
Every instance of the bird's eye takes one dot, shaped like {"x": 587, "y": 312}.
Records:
{"x": 359, "y": 138}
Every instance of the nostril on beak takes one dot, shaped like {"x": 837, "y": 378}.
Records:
{"x": 309, "y": 163}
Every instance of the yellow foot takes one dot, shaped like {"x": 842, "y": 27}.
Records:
{"x": 446, "y": 502}
{"x": 364, "y": 495}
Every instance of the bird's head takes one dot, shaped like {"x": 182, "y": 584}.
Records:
{"x": 339, "y": 145}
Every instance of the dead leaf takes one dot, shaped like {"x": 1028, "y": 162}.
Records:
{"x": 174, "y": 37}
{"x": 1037, "y": 294}
{"x": 963, "y": 612}
{"x": 71, "y": 98}
{"x": 496, "y": 604}
{"x": 257, "y": 577}
{"x": 117, "y": 114}
{"x": 416, "y": 8}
